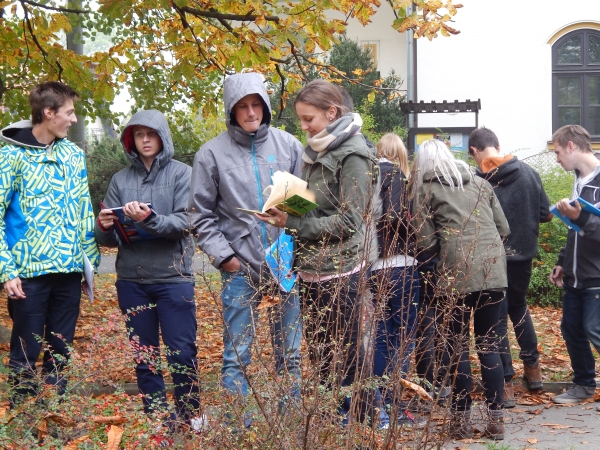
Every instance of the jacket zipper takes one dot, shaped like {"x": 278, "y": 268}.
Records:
{"x": 263, "y": 227}
{"x": 595, "y": 189}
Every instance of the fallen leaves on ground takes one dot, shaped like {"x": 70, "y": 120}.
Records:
{"x": 115, "y": 434}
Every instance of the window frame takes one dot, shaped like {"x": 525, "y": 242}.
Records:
{"x": 583, "y": 70}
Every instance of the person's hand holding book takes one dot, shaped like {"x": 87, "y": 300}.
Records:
{"x": 278, "y": 218}
{"x": 106, "y": 219}
{"x": 569, "y": 208}
{"x": 137, "y": 211}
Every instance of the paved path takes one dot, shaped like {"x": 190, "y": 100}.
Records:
{"x": 545, "y": 427}
{"x": 201, "y": 264}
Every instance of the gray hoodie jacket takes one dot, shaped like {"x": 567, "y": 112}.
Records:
{"x": 231, "y": 171}
{"x": 166, "y": 186}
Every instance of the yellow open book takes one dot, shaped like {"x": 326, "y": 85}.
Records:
{"x": 288, "y": 193}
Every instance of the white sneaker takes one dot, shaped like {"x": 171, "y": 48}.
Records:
{"x": 199, "y": 424}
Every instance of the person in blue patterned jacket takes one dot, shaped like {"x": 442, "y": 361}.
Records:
{"x": 46, "y": 228}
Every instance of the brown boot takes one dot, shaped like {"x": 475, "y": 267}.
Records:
{"x": 533, "y": 376}
{"x": 495, "y": 426}
{"x": 460, "y": 425}
{"x": 509, "y": 395}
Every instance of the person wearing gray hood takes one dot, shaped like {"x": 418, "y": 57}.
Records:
{"x": 155, "y": 279}
{"x": 230, "y": 172}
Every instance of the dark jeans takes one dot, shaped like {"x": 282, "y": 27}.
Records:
{"x": 332, "y": 328}
{"x": 515, "y": 307}
{"x": 49, "y": 312}
{"x": 431, "y": 357}
{"x": 170, "y": 307}
{"x": 396, "y": 292}
{"x": 580, "y": 326}
{"x": 485, "y": 307}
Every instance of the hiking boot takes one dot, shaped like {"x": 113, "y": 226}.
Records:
{"x": 509, "y": 395}
{"x": 533, "y": 376}
{"x": 460, "y": 425}
{"x": 575, "y": 394}
{"x": 495, "y": 427}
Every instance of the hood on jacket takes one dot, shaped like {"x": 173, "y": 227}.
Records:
{"x": 239, "y": 85}
{"x": 157, "y": 121}
{"x": 8, "y": 133}
{"x": 505, "y": 172}
{"x": 592, "y": 183}
{"x": 465, "y": 173}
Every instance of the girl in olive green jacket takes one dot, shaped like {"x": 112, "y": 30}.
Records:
{"x": 458, "y": 217}
{"x": 333, "y": 243}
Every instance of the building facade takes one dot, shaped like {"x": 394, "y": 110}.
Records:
{"x": 535, "y": 66}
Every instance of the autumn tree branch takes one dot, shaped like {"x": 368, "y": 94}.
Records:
{"x": 59, "y": 9}
{"x": 224, "y": 16}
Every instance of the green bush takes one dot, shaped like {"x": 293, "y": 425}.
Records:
{"x": 552, "y": 237}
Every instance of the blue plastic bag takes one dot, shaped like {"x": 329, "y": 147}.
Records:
{"x": 280, "y": 257}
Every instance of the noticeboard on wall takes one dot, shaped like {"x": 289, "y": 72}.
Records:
{"x": 456, "y": 138}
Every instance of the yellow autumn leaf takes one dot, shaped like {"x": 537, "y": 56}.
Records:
{"x": 115, "y": 434}
{"x": 74, "y": 445}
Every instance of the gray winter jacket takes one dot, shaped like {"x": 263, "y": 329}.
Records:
{"x": 231, "y": 171}
{"x": 166, "y": 186}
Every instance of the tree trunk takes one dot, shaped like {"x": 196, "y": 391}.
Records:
{"x": 75, "y": 43}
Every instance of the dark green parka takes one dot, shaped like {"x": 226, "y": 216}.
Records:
{"x": 464, "y": 228}
{"x": 332, "y": 238}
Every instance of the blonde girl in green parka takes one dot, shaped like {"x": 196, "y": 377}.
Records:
{"x": 458, "y": 217}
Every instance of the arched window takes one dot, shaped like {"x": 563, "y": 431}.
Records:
{"x": 576, "y": 81}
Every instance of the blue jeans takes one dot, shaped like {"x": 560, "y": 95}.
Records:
{"x": 171, "y": 308}
{"x": 50, "y": 309}
{"x": 240, "y": 299}
{"x": 581, "y": 325}
{"x": 398, "y": 288}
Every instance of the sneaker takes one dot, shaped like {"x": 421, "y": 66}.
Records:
{"x": 233, "y": 422}
{"x": 384, "y": 420}
{"x": 199, "y": 424}
{"x": 575, "y": 394}
{"x": 406, "y": 419}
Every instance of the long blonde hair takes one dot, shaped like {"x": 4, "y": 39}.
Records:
{"x": 435, "y": 155}
{"x": 391, "y": 147}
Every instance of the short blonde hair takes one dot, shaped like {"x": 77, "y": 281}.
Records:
{"x": 391, "y": 147}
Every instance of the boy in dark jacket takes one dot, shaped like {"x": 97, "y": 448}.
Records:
{"x": 525, "y": 204}
{"x": 155, "y": 277}
{"x": 578, "y": 267}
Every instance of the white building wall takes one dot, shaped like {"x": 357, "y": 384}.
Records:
{"x": 502, "y": 56}
{"x": 391, "y": 45}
